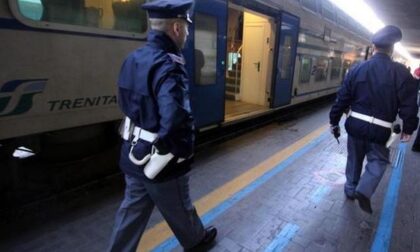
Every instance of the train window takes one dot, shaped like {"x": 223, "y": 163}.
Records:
{"x": 364, "y": 32}
{"x": 127, "y": 15}
{"x": 285, "y": 61}
{"x": 31, "y": 9}
{"x": 320, "y": 69}
{"x": 335, "y": 68}
{"x": 328, "y": 10}
{"x": 342, "y": 18}
{"x": 205, "y": 44}
{"x": 310, "y": 4}
{"x": 354, "y": 26}
{"x": 305, "y": 69}
{"x": 121, "y": 15}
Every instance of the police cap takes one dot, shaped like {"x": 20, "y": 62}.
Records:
{"x": 387, "y": 36}
{"x": 169, "y": 9}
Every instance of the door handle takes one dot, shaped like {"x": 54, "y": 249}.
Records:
{"x": 257, "y": 64}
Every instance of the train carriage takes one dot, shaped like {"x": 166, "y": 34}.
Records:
{"x": 60, "y": 60}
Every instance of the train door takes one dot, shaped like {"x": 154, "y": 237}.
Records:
{"x": 249, "y": 62}
{"x": 253, "y": 90}
{"x": 205, "y": 53}
{"x": 285, "y": 54}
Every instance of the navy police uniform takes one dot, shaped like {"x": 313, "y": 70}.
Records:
{"x": 153, "y": 93}
{"x": 377, "y": 89}
{"x": 416, "y": 144}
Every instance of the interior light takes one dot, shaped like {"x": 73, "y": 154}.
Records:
{"x": 363, "y": 13}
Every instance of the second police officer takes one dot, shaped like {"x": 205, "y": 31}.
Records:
{"x": 416, "y": 144}
{"x": 158, "y": 130}
{"x": 375, "y": 91}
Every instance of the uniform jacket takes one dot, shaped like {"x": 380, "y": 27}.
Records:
{"x": 153, "y": 93}
{"x": 381, "y": 88}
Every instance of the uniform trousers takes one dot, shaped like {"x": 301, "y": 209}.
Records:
{"x": 171, "y": 197}
{"x": 377, "y": 160}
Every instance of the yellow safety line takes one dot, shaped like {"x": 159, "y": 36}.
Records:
{"x": 161, "y": 231}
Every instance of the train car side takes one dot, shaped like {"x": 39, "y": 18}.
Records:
{"x": 56, "y": 79}
{"x": 59, "y": 73}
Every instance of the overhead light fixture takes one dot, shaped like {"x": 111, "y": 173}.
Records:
{"x": 363, "y": 13}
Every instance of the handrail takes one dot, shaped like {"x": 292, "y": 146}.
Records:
{"x": 236, "y": 70}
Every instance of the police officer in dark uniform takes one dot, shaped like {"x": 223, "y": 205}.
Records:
{"x": 158, "y": 131}
{"x": 416, "y": 144}
{"x": 375, "y": 91}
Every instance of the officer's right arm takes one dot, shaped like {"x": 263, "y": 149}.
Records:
{"x": 170, "y": 98}
{"x": 343, "y": 101}
{"x": 126, "y": 84}
{"x": 408, "y": 109}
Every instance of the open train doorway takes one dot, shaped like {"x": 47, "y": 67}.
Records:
{"x": 250, "y": 47}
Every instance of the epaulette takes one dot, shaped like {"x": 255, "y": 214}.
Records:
{"x": 177, "y": 59}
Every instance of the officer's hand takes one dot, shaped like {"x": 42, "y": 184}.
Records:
{"x": 405, "y": 137}
{"x": 335, "y": 130}
{"x": 161, "y": 147}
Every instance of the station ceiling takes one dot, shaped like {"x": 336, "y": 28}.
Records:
{"x": 404, "y": 14}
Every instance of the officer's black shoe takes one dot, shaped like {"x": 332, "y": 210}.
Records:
{"x": 364, "y": 202}
{"x": 350, "y": 196}
{"x": 415, "y": 148}
{"x": 207, "y": 242}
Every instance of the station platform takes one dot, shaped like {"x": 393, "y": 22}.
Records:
{"x": 277, "y": 188}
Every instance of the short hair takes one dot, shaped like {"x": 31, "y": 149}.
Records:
{"x": 161, "y": 24}
{"x": 384, "y": 49}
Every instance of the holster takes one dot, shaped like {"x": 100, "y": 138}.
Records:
{"x": 156, "y": 164}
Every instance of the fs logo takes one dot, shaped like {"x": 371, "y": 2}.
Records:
{"x": 16, "y": 95}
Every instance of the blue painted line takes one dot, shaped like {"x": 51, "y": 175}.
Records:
{"x": 319, "y": 193}
{"x": 208, "y": 217}
{"x": 384, "y": 231}
{"x": 283, "y": 238}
